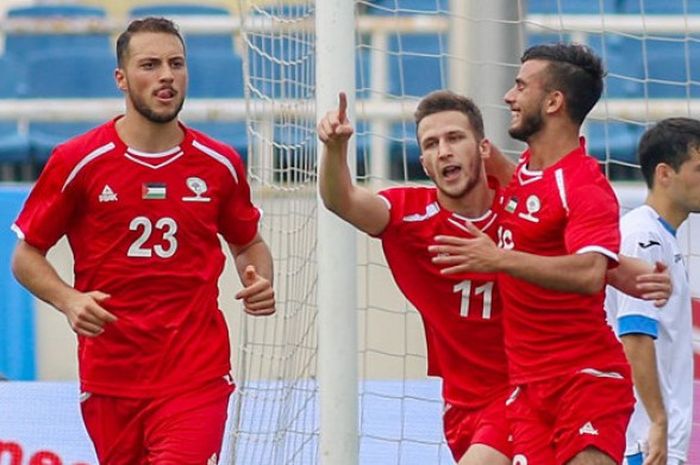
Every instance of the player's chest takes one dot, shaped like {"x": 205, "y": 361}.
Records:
{"x": 115, "y": 195}
{"x": 532, "y": 213}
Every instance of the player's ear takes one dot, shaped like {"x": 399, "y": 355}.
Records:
{"x": 485, "y": 148}
{"x": 120, "y": 79}
{"x": 422, "y": 164}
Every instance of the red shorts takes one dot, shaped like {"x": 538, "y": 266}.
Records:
{"x": 488, "y": 426}
{"x": 182, "y": 429}
{"x": 555, "y": 419}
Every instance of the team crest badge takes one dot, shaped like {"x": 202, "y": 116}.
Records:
{"x": 533, "y": 205}
{"x": 198, "y": 188}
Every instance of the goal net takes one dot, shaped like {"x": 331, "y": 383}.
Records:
{"x": 403, "y": 50}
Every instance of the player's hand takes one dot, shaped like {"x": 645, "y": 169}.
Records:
{"x": 460, "y": 255}
{"x": 86, "y": 315}
{"x": 656, "y": 286}
{"x": 657, "y": 453}
{"x": 335, "y": 129}
{"x": 257, "y": 295}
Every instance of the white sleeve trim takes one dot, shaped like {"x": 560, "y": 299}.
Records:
{"x": 386, "y": 201}
{"x": 600, "y": 250}
{"x": 91, "y": 156}
{"x": 559, "y": 177}
{"x": 17, "y": 231}
{"x": 218, "y": 157}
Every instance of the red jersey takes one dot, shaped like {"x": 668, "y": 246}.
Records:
{"x": 567, "y": 208}
{"x": 461, "y": 313}
{"x": 144, "y": 228}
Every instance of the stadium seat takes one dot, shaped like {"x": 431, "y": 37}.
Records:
{"x": 219, "y": 74}
{"x": 14, "y": 147}
{"x": 613, "y": 141}
{"x": 215, "y": 74}
{"x": 663, "y": 7}
{"x": 195, "y": 42}
{"x": 673, "y": 68}
{"x": 593, "y": 7}
{"x": 417, "y": 66}
{"x": 66, "y": 74}
{"x": 21, "y": 45}
{"x": 407, "y": 7}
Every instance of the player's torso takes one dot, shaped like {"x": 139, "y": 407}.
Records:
{"x": 156, "y": 216}
{"x": 461, "y": 313}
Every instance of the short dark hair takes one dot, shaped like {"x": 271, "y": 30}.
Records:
{"x": 669, "y": 141}
{"x": 575, "y": 70}
{"x": 148, "y": 24}
{"x": 445, "y": 100}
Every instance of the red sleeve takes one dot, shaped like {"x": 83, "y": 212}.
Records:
{"x": 46, "y": 214}
{"x": 396, "y": 199}
{"x": 593, "y": 221}
{"x": 238, "y": 219}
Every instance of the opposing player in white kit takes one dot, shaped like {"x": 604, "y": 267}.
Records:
{"x": 658, "y": 342}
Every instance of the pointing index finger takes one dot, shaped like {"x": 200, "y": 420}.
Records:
{"x": 342, "y": 106}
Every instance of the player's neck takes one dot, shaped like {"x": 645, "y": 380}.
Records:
{"x": 551, "y": 144}
{"x": 146, "y": 136}
{"x": 472, "y": 204}
{"x": 667, "y": 209}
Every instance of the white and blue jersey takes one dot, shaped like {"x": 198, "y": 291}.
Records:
{"x": 647, "y": 236}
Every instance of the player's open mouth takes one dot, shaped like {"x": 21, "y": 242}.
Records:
{"x": 450, "y": 172}
{"x": 165, "y": 94}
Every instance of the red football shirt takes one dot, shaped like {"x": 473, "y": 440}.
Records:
{"x": 145, "y": 228}
{"x": 568, "y": 208}
{"x": 461, "y": 313}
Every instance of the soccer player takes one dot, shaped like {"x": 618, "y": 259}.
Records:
{"x": 558, "y": 235}
{"x": 659, "y": 342}
{"x": 142, "y": 200}
{"x": 461, "y": 313}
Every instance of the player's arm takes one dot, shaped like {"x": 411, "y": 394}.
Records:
{"x": 83, "y": 310}
{"x": 255, "y": 269}
{"x": 358, "y": 206}
{"x": 641, "y": 353}
{"x": 639, "y": 279}
{"x": 499, "y": 166}
{"x": 581, "y": 273}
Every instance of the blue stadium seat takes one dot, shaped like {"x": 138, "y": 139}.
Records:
{"x": 407, "y": 7}
{"x": 574, "y": 6}
{"x": 673, "y": 68}
{"x": 66, "y": 74}
{"x": 417, "y": 66}
{"x": 21, "y": 45}
{"x": 215, "y": 74}
{"x": 14, "y": 147}
{"x": 616, "y": 141}
{"x": 664, "y": 7}
{"x": 625, "y": 76}
{"x": 219, "y": 74}
{"x": 196, "y": 42}
{"x": 233, "y": 134}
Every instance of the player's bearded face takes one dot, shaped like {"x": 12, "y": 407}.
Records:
{"x": 530, "y": 121}
{"x": 153, "y": 115}
{"x": 450, "y": 153}
{"x": 155, "y": 76}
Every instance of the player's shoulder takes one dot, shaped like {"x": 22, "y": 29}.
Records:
{"x": 98, "y": 140}
{"x": 409, "y": 195}
{"x": 211, "y": 146}
{"x": 641, "y": 222}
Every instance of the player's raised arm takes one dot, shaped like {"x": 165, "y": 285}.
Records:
{"x": 363, "y": 209}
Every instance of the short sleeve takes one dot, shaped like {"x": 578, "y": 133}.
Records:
{"x": 593, "y": 223}
{"x": 46, "y": 214}
{"x": 239, "y": 218}
{"x": 634, "y": 245}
